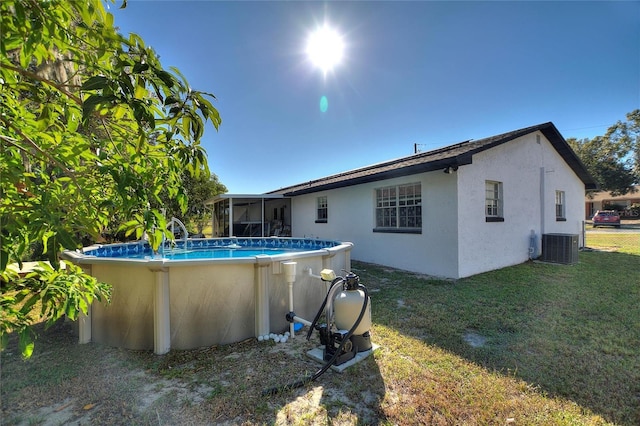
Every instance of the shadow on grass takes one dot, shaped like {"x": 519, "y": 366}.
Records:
{"x": 65, "y": 382}
{"x": 351, "y": 397}
{"x": 573, "y": 331}
{"x": 569, "y": 331}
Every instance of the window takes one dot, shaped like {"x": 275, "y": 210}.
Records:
{"x": 560, "y": 217}
{"x": 399, "y": 208}
{"x": 493, "y": 201}
{"x": 322, "y": 210}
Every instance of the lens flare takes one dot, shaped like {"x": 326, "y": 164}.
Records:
{"x": 324, "y": 104}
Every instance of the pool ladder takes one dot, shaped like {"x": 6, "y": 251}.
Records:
{"x": 185, "y": 234}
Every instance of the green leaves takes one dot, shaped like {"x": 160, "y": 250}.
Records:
{"x": 93, "y": 131}
{"x": 26, "y": 342}
{"x": 47, "y": 294}
{"x": 613, "y": 159}
{"x": 94, "y": 83}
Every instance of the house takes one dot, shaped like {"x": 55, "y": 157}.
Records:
{"x": 624, "y": 204}
{"x": 452, "y": 212}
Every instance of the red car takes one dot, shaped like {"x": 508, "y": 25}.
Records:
{"x": 606, "y": 218}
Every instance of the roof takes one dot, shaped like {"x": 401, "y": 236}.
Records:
{"x": 456, "y": 155}
{"x": 227, "y": 196}
{"x": 606, "y": 196}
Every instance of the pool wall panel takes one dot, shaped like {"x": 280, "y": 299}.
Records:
{"x": 128, "y": 320}
{"x": 211, "y": 305}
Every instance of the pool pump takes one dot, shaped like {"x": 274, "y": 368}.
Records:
{"x": 346, "y": 332}
{"x": 348, "y": 320}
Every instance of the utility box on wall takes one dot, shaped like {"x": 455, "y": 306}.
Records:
{"x": 560, "y": 248}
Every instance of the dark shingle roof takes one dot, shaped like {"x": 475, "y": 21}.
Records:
{"x": 451, "y": 156}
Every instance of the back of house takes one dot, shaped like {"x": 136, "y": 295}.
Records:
{"x": 453, "y": 212}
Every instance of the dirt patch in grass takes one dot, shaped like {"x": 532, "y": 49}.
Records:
{"x": 68, "y": 383}
{"x": 474, "y": 339}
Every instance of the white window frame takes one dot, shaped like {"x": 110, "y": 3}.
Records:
{"x": 398, "y": 208}
{"x": 561, "y": 206}
{"x": 494, "y": 201}
{"x": 322, "y": 209}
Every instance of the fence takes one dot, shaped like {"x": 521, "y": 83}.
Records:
{"x": 626, "y": 238}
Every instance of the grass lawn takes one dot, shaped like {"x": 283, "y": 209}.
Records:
{"x": 571, "y": 332}
{"x": 621, "y": 242}
{"x": 530, "y": 344}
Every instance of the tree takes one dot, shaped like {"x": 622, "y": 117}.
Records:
{"x": 198, "y": 191}
{"x": 613, "y": 159}
{"x": 626, "y": 134}
{"x": 92, "y": 127}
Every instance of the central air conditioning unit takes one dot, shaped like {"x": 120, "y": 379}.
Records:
{"x": 560, "y": 248}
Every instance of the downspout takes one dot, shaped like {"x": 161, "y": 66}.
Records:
{"x": 542, "y": 209}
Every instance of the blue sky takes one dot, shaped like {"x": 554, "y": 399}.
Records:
{"x": 431, "y": 73}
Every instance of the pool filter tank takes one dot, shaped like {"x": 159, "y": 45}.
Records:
{"x": 349, "y": 309}
{"x": 347, "y": 330}
{"x": 347, "y": 306}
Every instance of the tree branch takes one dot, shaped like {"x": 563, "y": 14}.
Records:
{"x": 61, "y": 88}
{"x": 35, "y": 146}
{"x": 68, "y": 172}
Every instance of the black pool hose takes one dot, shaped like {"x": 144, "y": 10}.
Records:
{"x": 335, "y": 281}
{"x": 298, "y": 384}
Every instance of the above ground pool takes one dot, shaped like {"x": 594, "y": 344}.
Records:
{"x": 203, "y": 292}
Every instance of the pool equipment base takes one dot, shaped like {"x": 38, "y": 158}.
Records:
{"x": 318, "y": 353}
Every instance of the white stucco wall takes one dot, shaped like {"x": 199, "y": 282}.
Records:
{"x": 456, "y": 241}
{"x": 530, "y": 172}
{"x": 351, "y": 217}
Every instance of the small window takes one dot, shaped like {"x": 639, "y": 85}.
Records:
{"x": 322, "y": 210}
{"x": 493, "y": 201}
{"x": 560, "y": 209}
{"x": 399, "y": 208}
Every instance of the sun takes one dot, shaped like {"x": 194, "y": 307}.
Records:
{"x": 325, "y": 48}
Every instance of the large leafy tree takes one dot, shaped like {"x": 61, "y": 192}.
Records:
{"x": 626, "y": 134}
{"x": 198, "y": 190}
{"x": 92, "y": 128}
{"x": 614, "y": 158}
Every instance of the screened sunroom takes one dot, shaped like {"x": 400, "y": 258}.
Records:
{"x": 245, "y": 215}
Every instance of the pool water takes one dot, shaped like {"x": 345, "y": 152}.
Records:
{"x": 210, "y": 248}
{"x": 214, "y": 253}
